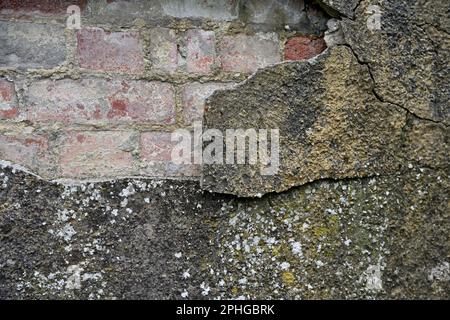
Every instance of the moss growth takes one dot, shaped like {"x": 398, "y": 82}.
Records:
{"x": 288, "y": 278}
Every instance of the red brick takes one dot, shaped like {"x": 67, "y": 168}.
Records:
{"x": 30, "y": 151}
{"x": 97, "y": 154}
{"x": 163, "y": 50}
{"x": 9, "y": 108}
{"x": 97, "y": 101}
{"x": 194, "y": 96}
{"x": 201, "y": 51}
{"x": 110, "y": 51}
{"x": 40, "y": 6}
{"x": 303, "y": 48}
{"x": 246, "y": 54}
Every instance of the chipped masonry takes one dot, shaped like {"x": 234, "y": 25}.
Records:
{"x": 91, "y": 207}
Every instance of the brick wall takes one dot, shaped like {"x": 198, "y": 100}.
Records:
{"x": 101, "y": 102}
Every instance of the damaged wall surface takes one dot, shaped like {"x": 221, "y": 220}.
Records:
{"x": 359, "y": 208}
{"x": 101, "y": 102}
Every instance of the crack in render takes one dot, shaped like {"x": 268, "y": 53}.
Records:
{"x": 356, "y": 8}
{"x": 360, "y": 61}
{"x": 382, "y": 99}
{"x": 268, "y": 196}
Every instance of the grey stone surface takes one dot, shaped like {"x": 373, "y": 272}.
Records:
{"x": 112, "y": 240}
{"x": 381, "y": 237}
{"x": 222, "y": 10}
{"x": 302, "y": 16}
{"x": 264, "y": 15}
{"x": 210, "y": 9}
{"x": 369, "y": 238}
{"x": 273, "y": 11}
{"x": 29, "y": 45}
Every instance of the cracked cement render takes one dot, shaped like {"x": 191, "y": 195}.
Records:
{"x": 359, "y": 209}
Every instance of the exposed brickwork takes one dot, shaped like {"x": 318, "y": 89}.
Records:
{"x": 38, "y": 6}
{"x": 98, "y": 101}
{"x": 242, "y": 53}
{"x": 9, "y": 108}
{"x": 31, "y": 45}
{"x": 201, "y": 52}
{"x": 110, "y": 51}
{"x": 222, "y": 10}
{"x": 163, "y": 50}
{"x": 29, "y": 150}
{"x": 109, "y": 154}
{"x": 303, "y": 48}
{"x": 133, "y": 73}
{"x": 268, "y": 11}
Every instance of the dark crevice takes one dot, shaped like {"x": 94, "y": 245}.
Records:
{"x": 356, "y": 8}
{"x": 329, "y": 10}
{"x": 334, "y": 13}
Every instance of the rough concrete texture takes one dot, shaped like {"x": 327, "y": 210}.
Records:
{"x": 408, "y": 57}
{"x": 331, "y": 125}
{"x": 381, "y": 237}
{"x": 358, "y": 210}
{"x": 341, "y": 115}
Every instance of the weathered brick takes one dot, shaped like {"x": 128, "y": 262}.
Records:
{"x": 159, "y": 12}
{"x": 124, "y": 12}
{"x": 156, "y": 156}
{"x": 31, "y": 45}
{"x": 194, "y": 96}
{"x": 110, "y": 51}
{"x": 38, "y": 6}
{"x": 9, "y": 108}
{"x": 28, "y": 150}
{"x": 274, "y": 12}
{"x": 201, "y": 51}
{"x": 303, "y": 48}
{"x": 97, "y": 154}
{"x": 226, "y": 10}
{"x": 163, "y": 50}
{"x": 243, "y": 53}
{"x": 96, "y": 101}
